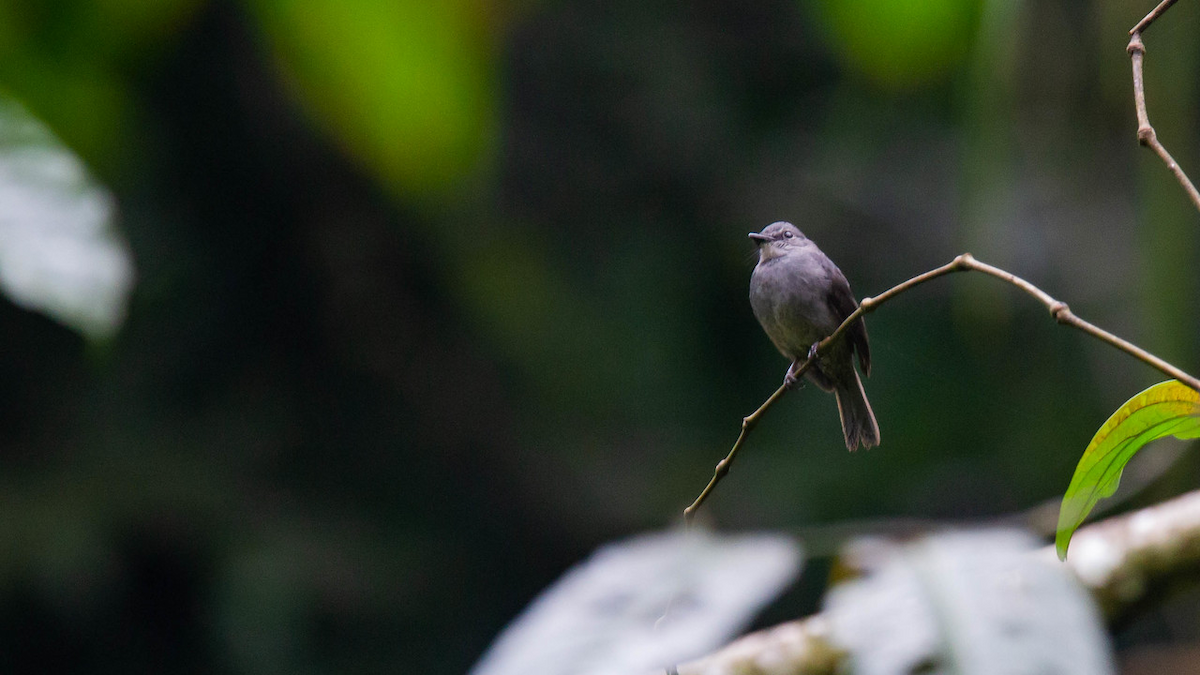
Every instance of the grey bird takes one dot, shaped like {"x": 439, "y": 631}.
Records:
{"x": 800, "y": 297}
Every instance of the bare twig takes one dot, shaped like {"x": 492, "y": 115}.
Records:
{"x": 1149, "y": 18}
{"x": 965, "y": 262}
{"x": 1120, "y": 561}
{"x": 1063, "y": 315}
{"x": 1145, "y": 132}
{"x": 749, "y": 422}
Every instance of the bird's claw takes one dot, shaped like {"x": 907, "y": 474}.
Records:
{"x": 812, "y": 351}
{"x": 790, "y": 379}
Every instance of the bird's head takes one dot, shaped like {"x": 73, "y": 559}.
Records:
{"x": 777, "y": 239}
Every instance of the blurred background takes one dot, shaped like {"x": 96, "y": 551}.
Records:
{"x": 433, "y": 298}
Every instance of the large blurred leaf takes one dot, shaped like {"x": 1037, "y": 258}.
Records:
{"x": 968, "y": 603}
{"x": 59, "y": 252}
{"x": 901, "y": 43}
{"x": 644, "y": 604}
{"x": 407, "y": 85}
{"x": 1166, "y": 409}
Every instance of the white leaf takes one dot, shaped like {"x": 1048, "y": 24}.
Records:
{"x": 59, "y": 252}
{"x": 967, "y": 603}
{"x": 645, "y": 603}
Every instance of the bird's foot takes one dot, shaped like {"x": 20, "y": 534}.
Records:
{"x": 812, "y": 351}
{"x": 790, "y": 379}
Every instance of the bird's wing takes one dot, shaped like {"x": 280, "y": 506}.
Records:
{"x": 841, "y": 298}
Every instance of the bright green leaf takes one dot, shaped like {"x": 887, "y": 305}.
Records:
{"x": 898, "y": 43}
{"x": 1166, "y": 409}
{"x": 407, "y": 86}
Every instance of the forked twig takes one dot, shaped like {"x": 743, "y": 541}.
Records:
{"x": 965, "y": 262}
{"x": 1145, "y": 132}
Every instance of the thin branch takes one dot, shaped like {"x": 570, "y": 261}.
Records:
{"x": 1122, "y": 559}
{"x": 749, "y": 422}
{"x": 1149, "y": 18}
{"x": 1063, "y": 315}
{"x": 1145, "y": 133}
{"x": 965, "y": 262}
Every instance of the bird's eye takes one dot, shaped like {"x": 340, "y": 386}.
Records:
{"x": 788, "y": 235}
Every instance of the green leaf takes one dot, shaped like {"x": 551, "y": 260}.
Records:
{"x": 901, "y": 44}
{"x": 409, "y": 86}
{"x": 1166, "y": 409}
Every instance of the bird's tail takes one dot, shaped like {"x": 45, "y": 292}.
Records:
{"x": 858, "y": 421}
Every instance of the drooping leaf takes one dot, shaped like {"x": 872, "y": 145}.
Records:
{"x": 1166, "y": 409}
{"x": 645, "y": 604}
{"x": 966, "y": 603}
{"x": 59, "y": 251}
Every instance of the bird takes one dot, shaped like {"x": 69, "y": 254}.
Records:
{"x": 800, "y": 297}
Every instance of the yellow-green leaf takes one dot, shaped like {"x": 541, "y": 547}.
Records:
{"x": 408, "y": 86}
{"x": 1166, "y": 409}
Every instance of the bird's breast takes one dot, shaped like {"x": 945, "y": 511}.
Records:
{"x": 790, "y": 298}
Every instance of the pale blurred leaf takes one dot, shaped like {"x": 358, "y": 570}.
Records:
{"x": 645, "y": 603}
{"x": 968, "y": 603}
{"x": 59, "y": 252}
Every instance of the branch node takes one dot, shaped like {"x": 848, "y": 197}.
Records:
{"x": 1060, "y": 311}
{"x": 722, "y": 468}
{"x": 964, "y": 261}
{"x": 1145, "y": 133}
{"x": 1136, "y": 45}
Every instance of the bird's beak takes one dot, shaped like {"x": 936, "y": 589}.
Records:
{"x": 758, "y": 237}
